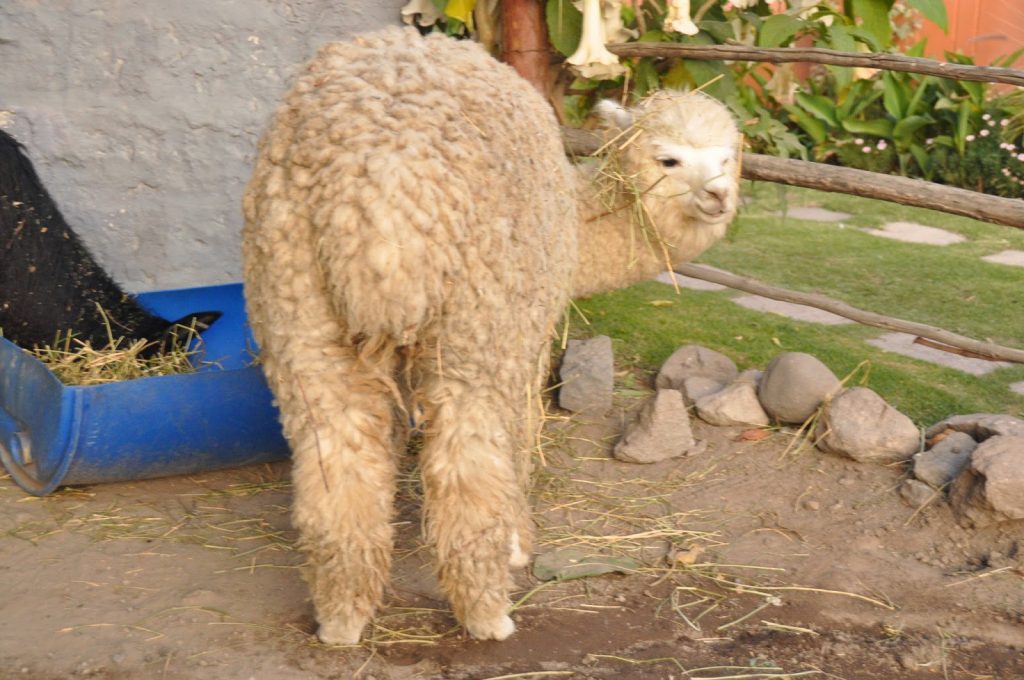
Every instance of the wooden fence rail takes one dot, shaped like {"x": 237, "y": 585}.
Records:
{"x": 817, "y": 55}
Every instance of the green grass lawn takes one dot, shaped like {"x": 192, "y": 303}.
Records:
{"x": 945, "y": 286}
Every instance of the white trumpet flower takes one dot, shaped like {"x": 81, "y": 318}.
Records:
{"x": 428, "y": 13}
{"x": 678, "y": 18}
{"x": 592, "y": 59}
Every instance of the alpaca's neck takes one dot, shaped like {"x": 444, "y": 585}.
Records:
{"x": 615, "y": 252}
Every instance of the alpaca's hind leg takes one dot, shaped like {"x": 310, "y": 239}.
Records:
{"x": 474, "y": 508}
{"x": 339, "y": 421}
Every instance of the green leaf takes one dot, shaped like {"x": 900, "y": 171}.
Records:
{"x": 645, "y": 77}
{"x": 877, "y": 127}
{"x": 975, "y": 90}
{"x": 933, "y": 10}
{"x": 565, "y": 25}
{"x": 904, "y": 130}
{"x": 860, "y": 96}
{"x": 721, "y": 31}
{"x": 918, "y": 48}
{"x": 1009, "y": 60}
{"x": 894, "y": 96}
{"x": 874, "y": 17}
{"x": 963, "y": 126}
{"x": 841, "y": 39}
{"x": 917, "y": 100}
{"x": 812, "y": 126}
{"x": 723, "y": 89}
{"x": 677, "y": 77}
{"x": 866, "y": 37}
{"x": 820, "y": 107}
{"x": 654, "y": 36}
{"x": 924, "y": 161}
{"x": 777, "y": 30}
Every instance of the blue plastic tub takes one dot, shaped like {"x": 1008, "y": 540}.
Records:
{"x": 220, "y": 416}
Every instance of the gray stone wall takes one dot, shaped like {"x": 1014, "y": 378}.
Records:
{"x": 142, "y": 116}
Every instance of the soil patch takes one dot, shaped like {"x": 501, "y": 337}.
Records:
{"x": 758, "y": 559}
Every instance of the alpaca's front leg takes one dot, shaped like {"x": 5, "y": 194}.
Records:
{"x": 339, "y": 422}
{"x": 475, "y": 507}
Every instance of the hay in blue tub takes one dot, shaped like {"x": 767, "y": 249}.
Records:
{"x": 220, "y": 416}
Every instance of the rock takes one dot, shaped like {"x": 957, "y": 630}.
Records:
{"x": 587, "y": 376}
{"x": 794, "y": 385}
{"x": 860, "y": 424}
{"x": 736, "y": 404}
{"x": 693, "y": 361}
{"x": 915, "y": 493}
{"x": 939, "y": 465}
{"x": 697, "y": 386}
{"x": 570, "y": 563}
{"x": 980, "y": 426}
{"x": 751, "y": 375}
{"x": 660, "y": 431}
{"x": 991, "y": 488}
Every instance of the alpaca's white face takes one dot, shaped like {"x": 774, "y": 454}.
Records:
{"x": 686, "y": 162}
{"x": 703, "y": 179}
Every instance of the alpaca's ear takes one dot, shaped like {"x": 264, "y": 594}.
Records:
{"x": 614, "y": 114}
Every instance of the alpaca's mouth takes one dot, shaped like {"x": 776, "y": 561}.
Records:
{"x": 714, "y": 210}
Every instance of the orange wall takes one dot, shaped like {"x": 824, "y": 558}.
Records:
{"x": 983, "y": 29}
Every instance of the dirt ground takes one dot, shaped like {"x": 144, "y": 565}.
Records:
{"x": 753, "y": 559}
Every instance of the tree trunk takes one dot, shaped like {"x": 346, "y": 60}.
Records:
{"x": 524, "y": 41}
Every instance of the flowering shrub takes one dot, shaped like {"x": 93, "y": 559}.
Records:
{"x": 989, "y": 162}
{"x": 889, "y": 122}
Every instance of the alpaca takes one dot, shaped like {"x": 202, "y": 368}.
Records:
{"x": 49, "y": 283}
{"x": 410, "y": 242}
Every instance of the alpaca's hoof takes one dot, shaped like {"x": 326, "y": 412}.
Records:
{"x": 497, "y": 628}
{"x": 341, "y": 632}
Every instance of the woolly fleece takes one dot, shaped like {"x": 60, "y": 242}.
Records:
{"x": 410, "y": 243}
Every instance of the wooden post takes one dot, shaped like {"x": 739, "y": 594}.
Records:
{"x": 524, "y": 41}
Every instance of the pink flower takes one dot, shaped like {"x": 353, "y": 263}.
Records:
{"x": 983, "y": 133}
{"x": 858, "y": 141}
{"x": 1020, "y": 157}
{"x": 969, "y": 138}
{"x": 881, "y": 144}
{"x": 867, "y": 149}
{"x": 1004, "y": 122}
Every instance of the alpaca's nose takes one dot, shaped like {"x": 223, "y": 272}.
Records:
{"x": 713, "y": 199}
{"x": 717, "y": 193}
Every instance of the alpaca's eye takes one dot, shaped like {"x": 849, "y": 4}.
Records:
{"x": 669, "y": 162}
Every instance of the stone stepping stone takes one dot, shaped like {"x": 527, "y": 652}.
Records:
{"x": 903, "y": 343}
{"x": 1014, "y": 258}
{"x": 1017, "y": 387}
{"x": 911, "y": 232}
{"x": 791, "y": 310}
{"x": 688, "y": 282}
{"x": 816, "y": 214}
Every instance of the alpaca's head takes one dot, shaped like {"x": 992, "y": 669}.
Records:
{"x": 678, "y": 151}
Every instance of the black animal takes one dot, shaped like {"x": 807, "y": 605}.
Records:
{"x": 50, "y": 285}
